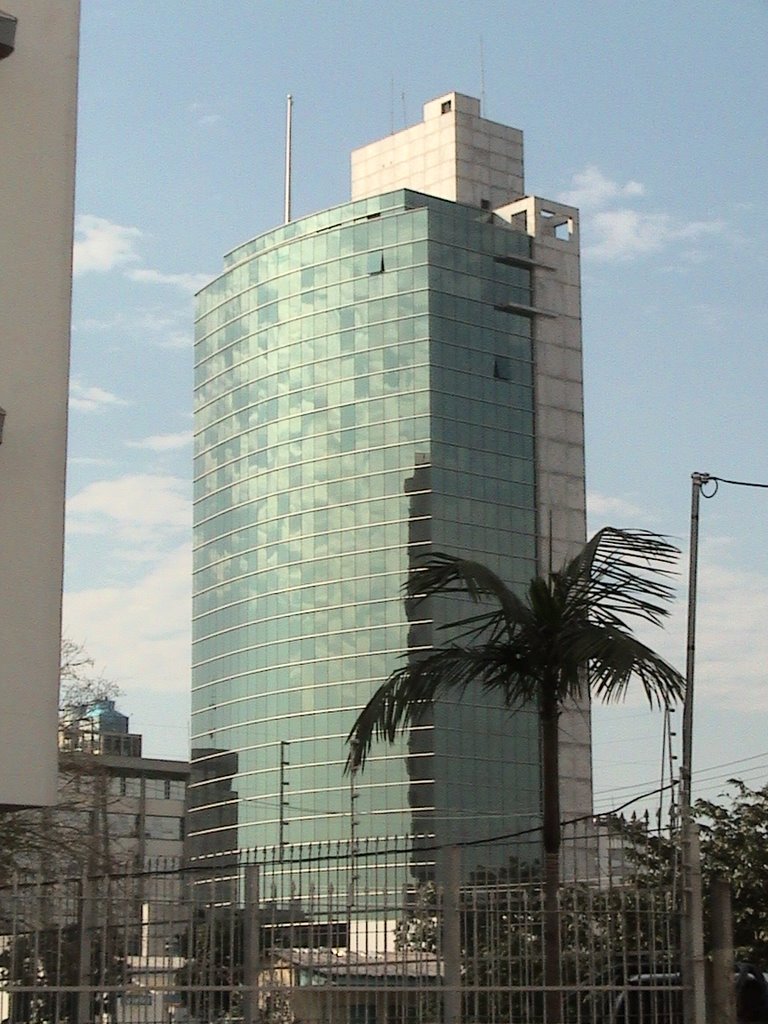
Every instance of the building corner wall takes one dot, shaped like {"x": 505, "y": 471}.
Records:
{"x": 559, "y": 432}
{"x": 38, "y": 84}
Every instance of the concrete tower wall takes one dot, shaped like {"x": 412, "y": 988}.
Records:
{"x": 38, "y": 86}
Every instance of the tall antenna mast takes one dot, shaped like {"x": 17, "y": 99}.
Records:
{"x": 288, "y": 121}
{"x": 482, "y": 78}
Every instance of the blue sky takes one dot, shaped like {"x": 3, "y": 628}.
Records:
{"x": 650, "y": 117}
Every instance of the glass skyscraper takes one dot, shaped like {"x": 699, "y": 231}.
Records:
{"x": 368, "y": 389}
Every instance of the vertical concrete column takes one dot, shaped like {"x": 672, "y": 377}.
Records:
{"x": 452, "y": 936}
{"x": 721, "y": 929}
{"x": 251, "y": 943}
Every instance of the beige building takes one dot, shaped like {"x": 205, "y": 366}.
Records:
{"x": 38, "y": 106}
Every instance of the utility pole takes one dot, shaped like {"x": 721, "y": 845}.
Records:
{"x": 692, "y": 938}
{"x": 697, "y": 481}
{"x": 288, "y": 156}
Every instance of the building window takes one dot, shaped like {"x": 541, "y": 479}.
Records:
{"x": 501, "y": 368}
{"x": 445, "y": 107}
{"x": 485, "y": 204}
{"x": 121, "y": 825}
{"x": 158, "y": 827}
{"x": 128, "y": 785}
{"x": 154, "y": 788}
{"x": 376, "y": 262}
{"x": 174, "y": 789}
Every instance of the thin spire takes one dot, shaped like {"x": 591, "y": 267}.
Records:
{"x": 288, "y": 122}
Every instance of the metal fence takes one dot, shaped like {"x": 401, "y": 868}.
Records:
{"x": 387, "y": 932}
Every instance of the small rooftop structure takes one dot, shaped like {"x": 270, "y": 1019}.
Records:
{"x": 98, "y": 728}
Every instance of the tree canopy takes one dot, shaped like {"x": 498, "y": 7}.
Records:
{"x": 734, "y": 845}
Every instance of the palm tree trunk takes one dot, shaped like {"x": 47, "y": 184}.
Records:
{"x": 550, "y": 756}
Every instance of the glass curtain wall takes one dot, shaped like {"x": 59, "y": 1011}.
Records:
{"x": 362, "y": 392}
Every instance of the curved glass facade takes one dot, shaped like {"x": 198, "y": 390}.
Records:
{"x": 362, "y": 392}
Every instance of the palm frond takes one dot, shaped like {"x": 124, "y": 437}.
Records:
{"x": 439, "y": 573}
{"x": 399, "y": 702}
{"x": 571, "y": 628}
{"x": 615, "y": 657}
{"x": 623, "y": 574}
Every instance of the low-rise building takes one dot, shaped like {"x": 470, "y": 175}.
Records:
{"x": 131, "y": 806}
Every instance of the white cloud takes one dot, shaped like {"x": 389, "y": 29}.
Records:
{"x": 92, "y": 399}
{"x": 143, "y": 511}
{"x": 204, "y": 117}
{"x": 591, "y": 189}
{"x": 100, "y": 245}
{"x": 163, "y": 442}
{"x": 136, "y": 626}
{"x": 159, "y": 327}
{"x": 625, "y": 234}
{"x": 88, "y": 460}
{"x": 731, "y": 645}
{"x": 139, "y": 634}
{"x": 188, "y": 282}
{"x": 176, "y": 340}
{"x": 607, "y": 507}
{"x": 613, "y": 230}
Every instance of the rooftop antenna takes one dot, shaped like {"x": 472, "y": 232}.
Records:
{"x": 288, "y": 121}
{"x": 482, "y": 78}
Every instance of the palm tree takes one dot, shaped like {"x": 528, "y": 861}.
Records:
{"x": 567, "y": 635}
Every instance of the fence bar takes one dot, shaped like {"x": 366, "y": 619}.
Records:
{"x": 451, "y": 935}
{"x": 251, "y": 943}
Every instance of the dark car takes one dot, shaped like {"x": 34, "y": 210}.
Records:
{"x": 652, "y": 997}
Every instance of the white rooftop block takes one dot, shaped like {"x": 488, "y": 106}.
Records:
{"x": 454, "y": 153}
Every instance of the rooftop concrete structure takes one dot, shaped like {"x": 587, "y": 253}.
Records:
{"x": 454, "y": 153}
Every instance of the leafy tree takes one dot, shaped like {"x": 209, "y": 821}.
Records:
{"x": 52, "y": 839}
{"x": 79, "y": 687}
{"x": 734, "y": 845}
{"x": 48, "y": 960}
{"x": 566, "y": 634}
{"x": 607, "y": 931}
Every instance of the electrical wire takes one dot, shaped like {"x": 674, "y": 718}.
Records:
{"x": 697, "y": 774}
{"x": 735, "y": 483}
{"x": 210, "y": 863}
